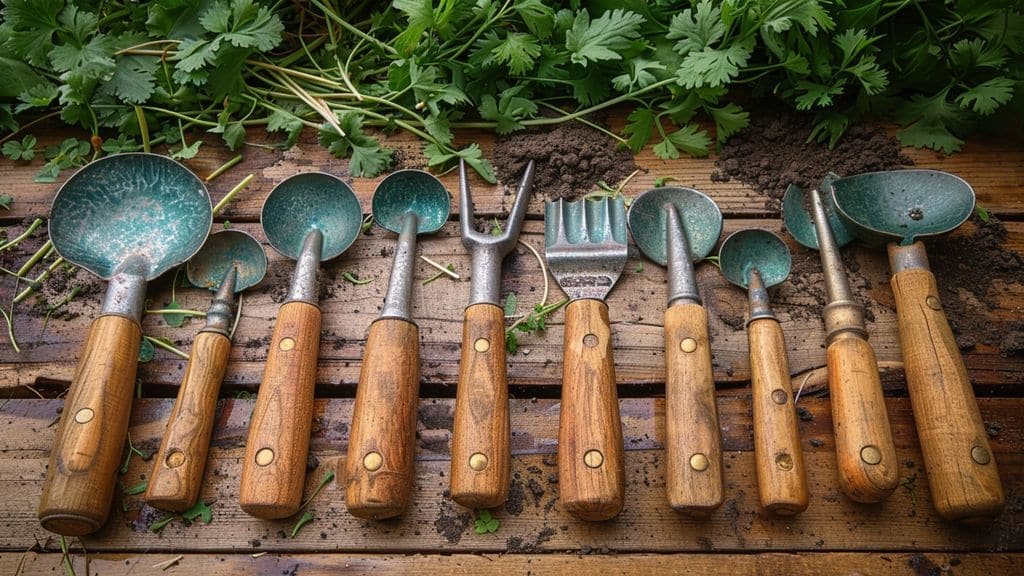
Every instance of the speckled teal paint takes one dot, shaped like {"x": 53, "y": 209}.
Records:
{"x": 702, "y": 221}
{"x": 754, "y": 248}
{"x": 799, "y": 221}
{"x": 307, "y": 202}
{"x": 142, "y": 205}
{"x": 878, "y": 205}
{"x": 413, "y": 191}
{"x": 222, "y": 251}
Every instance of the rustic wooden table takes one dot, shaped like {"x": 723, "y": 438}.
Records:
{"x": 902, "y": 535}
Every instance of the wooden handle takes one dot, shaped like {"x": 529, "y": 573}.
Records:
{"x": 868, "y": 469}
{"x": 961, "y": 468}
{"x": 693, "y": 441}
{"x": 382, "y": 438}
{"x": 781, "y": 477}
{"x": 274, "y": 468}
{"x": 481, "y": 454}
{"x": 179, "y": 464}
{"x": 590, "y": 456}
{"x": 86, "y": 452}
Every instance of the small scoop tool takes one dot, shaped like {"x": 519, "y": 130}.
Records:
{"x": 867, "y": 466}
{"x": 756, "y": 260}
{"x": 481, "y": 443}
{"x": 310, "y": 217}
{"x": 126, "y": 218}
{"x": 898, "y": 208}
{"x": 382, "y": 437}
{"x": 677, "y": 227}
{"x": 228, "y": 263}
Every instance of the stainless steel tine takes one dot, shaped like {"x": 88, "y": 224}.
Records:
{"x": 516, "y": 216}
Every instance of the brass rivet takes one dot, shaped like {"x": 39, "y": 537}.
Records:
{"x": 699, "y": 462}
{"x": 287, "y": 344}
{"x": 933, "y": 303}
{"x": 779, "y": 396}
{"x": 373, "y": 461}
{"x": 593, "y": 458}
{"x": 784, "y": 461}
{"x": 980, "y": 455}
{"x": 478, "y": 461}
{"x": 265, "y": 456}
{"x": 481, "y": 345}
{"x": 688, "y": 345}
{"x": 871, "y": 454}
{"x": 175, "y": 458}
{"x": 590, "y": 340}
{"x": 84, "y": 415}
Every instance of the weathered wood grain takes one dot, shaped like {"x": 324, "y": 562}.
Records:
{"x": 533, "y": 520}
{"x": 801, "y": 564}
{"x": 636, "y": 310}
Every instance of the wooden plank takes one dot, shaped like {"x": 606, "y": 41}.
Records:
{"x": 802, "y": 564}
{"x": 532, "y": 521}
{"x": 636, "y": 305}
{"x": 995, "y": 168}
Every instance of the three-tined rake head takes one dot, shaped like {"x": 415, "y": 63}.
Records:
{"x": 505, "y": 241}
{"x": 585, "y": 245}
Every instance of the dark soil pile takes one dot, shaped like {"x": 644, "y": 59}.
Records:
{"x": 773, "y": 153}
{"x": 570, "y": 159}
{"x": 968, "y": 267}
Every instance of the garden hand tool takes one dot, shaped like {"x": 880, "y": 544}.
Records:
{"x": 677, "y": 227}
{"x": 868, "y": 469}
{"x": 585, "y": 247}
{"x": 126, "y": 218}
{"x": 382, "y": 437}
{"x": 481, "y": 451}
{"x": 230, "y": 261}
{"x": 311, "y": 218}
{"x": 756, "y": 260}
{"x": 900, "y": 207}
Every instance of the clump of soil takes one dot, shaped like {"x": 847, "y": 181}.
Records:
{"x": 570, "y": 159}
{"x": 773, "y": 153}
{"x": 967, "y": 267}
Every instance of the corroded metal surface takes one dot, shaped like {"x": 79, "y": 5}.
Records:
{"x": 754, "y": 248}
{"x": 226, "y": 250}
{"x": 311, "y": 201}
{"x": 585, "y": 245}
{"x": 411, "y": 191}
{"x": 798, "y": 216}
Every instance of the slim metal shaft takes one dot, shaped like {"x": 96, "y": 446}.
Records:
{"x": 837, "y": 287}
{"x": 304, "y": 282}
{"x": 682, "y": 282}
{"x": 757, "y": 294}
{"x": 221, "y": 311}
{"x": 397, "y": 302}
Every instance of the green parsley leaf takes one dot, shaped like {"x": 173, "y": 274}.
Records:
{"x": 134, "y": 79}
{"x": 638, "y": 128}
{"x": 32, "y": 25}
{"x": 538, "y": 17}
{"x": 987, "y": 97}
{"x": 38, "y": 96}
{"x": 510, "y": 304}
{"x": 5, "y": 201}
{"x": 187, "y": 152}
{"x": 486, "y": 524}
{"x": 306, "y": 518}
{"x": 508, "y": 110}
{"x": 729, "y": 119}
{"x": 690, "y": 138}
{"x": 24, "y": 150}
{"x": 367, "y": 158}
{"x": 604, "y": 38}
{"x": 200, "y": 510}
{"x": 172, "y": 318}
{"x": 244, "y": 24}
{"x": 698, "y": 29}
{"x": 712, "y": 66}
{"x": 639, "y": 76}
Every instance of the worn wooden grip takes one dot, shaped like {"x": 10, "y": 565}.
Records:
{"x": 693, "y": 441}
{"x": 87, "y": 449}
{"x": 590, "y": 457}
{"x": 481, "y": 454}
{"x": 961, "y": 468}
{"x": 779, "y": 460}
{"x": 274, "y": 468}
{"x": 382, "y": 438}
{"x": 179, "y": 464}
{"x": 865, "y": 454}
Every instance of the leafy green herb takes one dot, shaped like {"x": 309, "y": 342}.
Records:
{"x": 982, "y": 213}
{"x": 496, "y": 228}
{"x": 146, "y": 351}
{"x": 510, "y": 304}
{"x": 136, "y": 489}
{"x": 486, "y": 524}
{"x": 306, "y": 518}
{"x": 200, "y": 510}
{"x": 132, "y": 450}
{"x": 662, "y": 180}
{"x": 173, "y": 319}
{"x": 162, "y": 523}
{"x": 5, "y": 201}
{"x": 24, "y": 150}
{"x": 535, "y": 321}
{"x": 350, "y": 277}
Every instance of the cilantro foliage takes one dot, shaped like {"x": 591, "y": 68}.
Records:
{"x": 349, "y": 71}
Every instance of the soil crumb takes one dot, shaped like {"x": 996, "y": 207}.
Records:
{"x": 570, "y": 160}
{"x": 451, "y": 523}
{"x": 773, "y": 153}
{"x": 974, "y": 271}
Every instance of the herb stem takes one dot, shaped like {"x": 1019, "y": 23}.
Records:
{"x": 32, "y": 287}
{"x": 223, "y": 168}
{"x": 166, "y": 346}
{"x": 43, "y": 251}
{"x": 355, "y": 31}
{"x": 232, "y": 193}
{"x": 143, "y": 128}
{"x": 28, "y": 232}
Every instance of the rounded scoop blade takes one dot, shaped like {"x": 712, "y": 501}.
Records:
{"x": 413, "y": 191}
{"x": 754, "y": 248}
{"x": 311, "y": 201}
{"x": 222, "y": 251}
{"x": 796, "y": 214}
{"x": 702, "y": 221}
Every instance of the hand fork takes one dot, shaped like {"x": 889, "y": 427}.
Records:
{"x": 481, "y": 451}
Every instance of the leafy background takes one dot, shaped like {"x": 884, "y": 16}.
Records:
{"x": 199, "y": 69}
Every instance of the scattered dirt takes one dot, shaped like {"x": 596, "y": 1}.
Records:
{"x": 974, "y": 271}
{"x": 570, "y": 160}
{"x": 773, "y": 153}
{"x": 451, "y": 522}
{"x": 516, "y": 501}
{"x": 518, "y": 544}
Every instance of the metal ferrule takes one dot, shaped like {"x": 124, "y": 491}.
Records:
{"x": 844, "y": 317}
{"x": 757, "y": 295}
{"x": 397, "y": 302}
{"x": 907, "y": 257}
{"x": 682, "y": 282}
{"x": 220, "y": 314}
{"x": 304, "y": 282}
{"x": 126, "y": 291}
{"x": 485, "y": 283}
